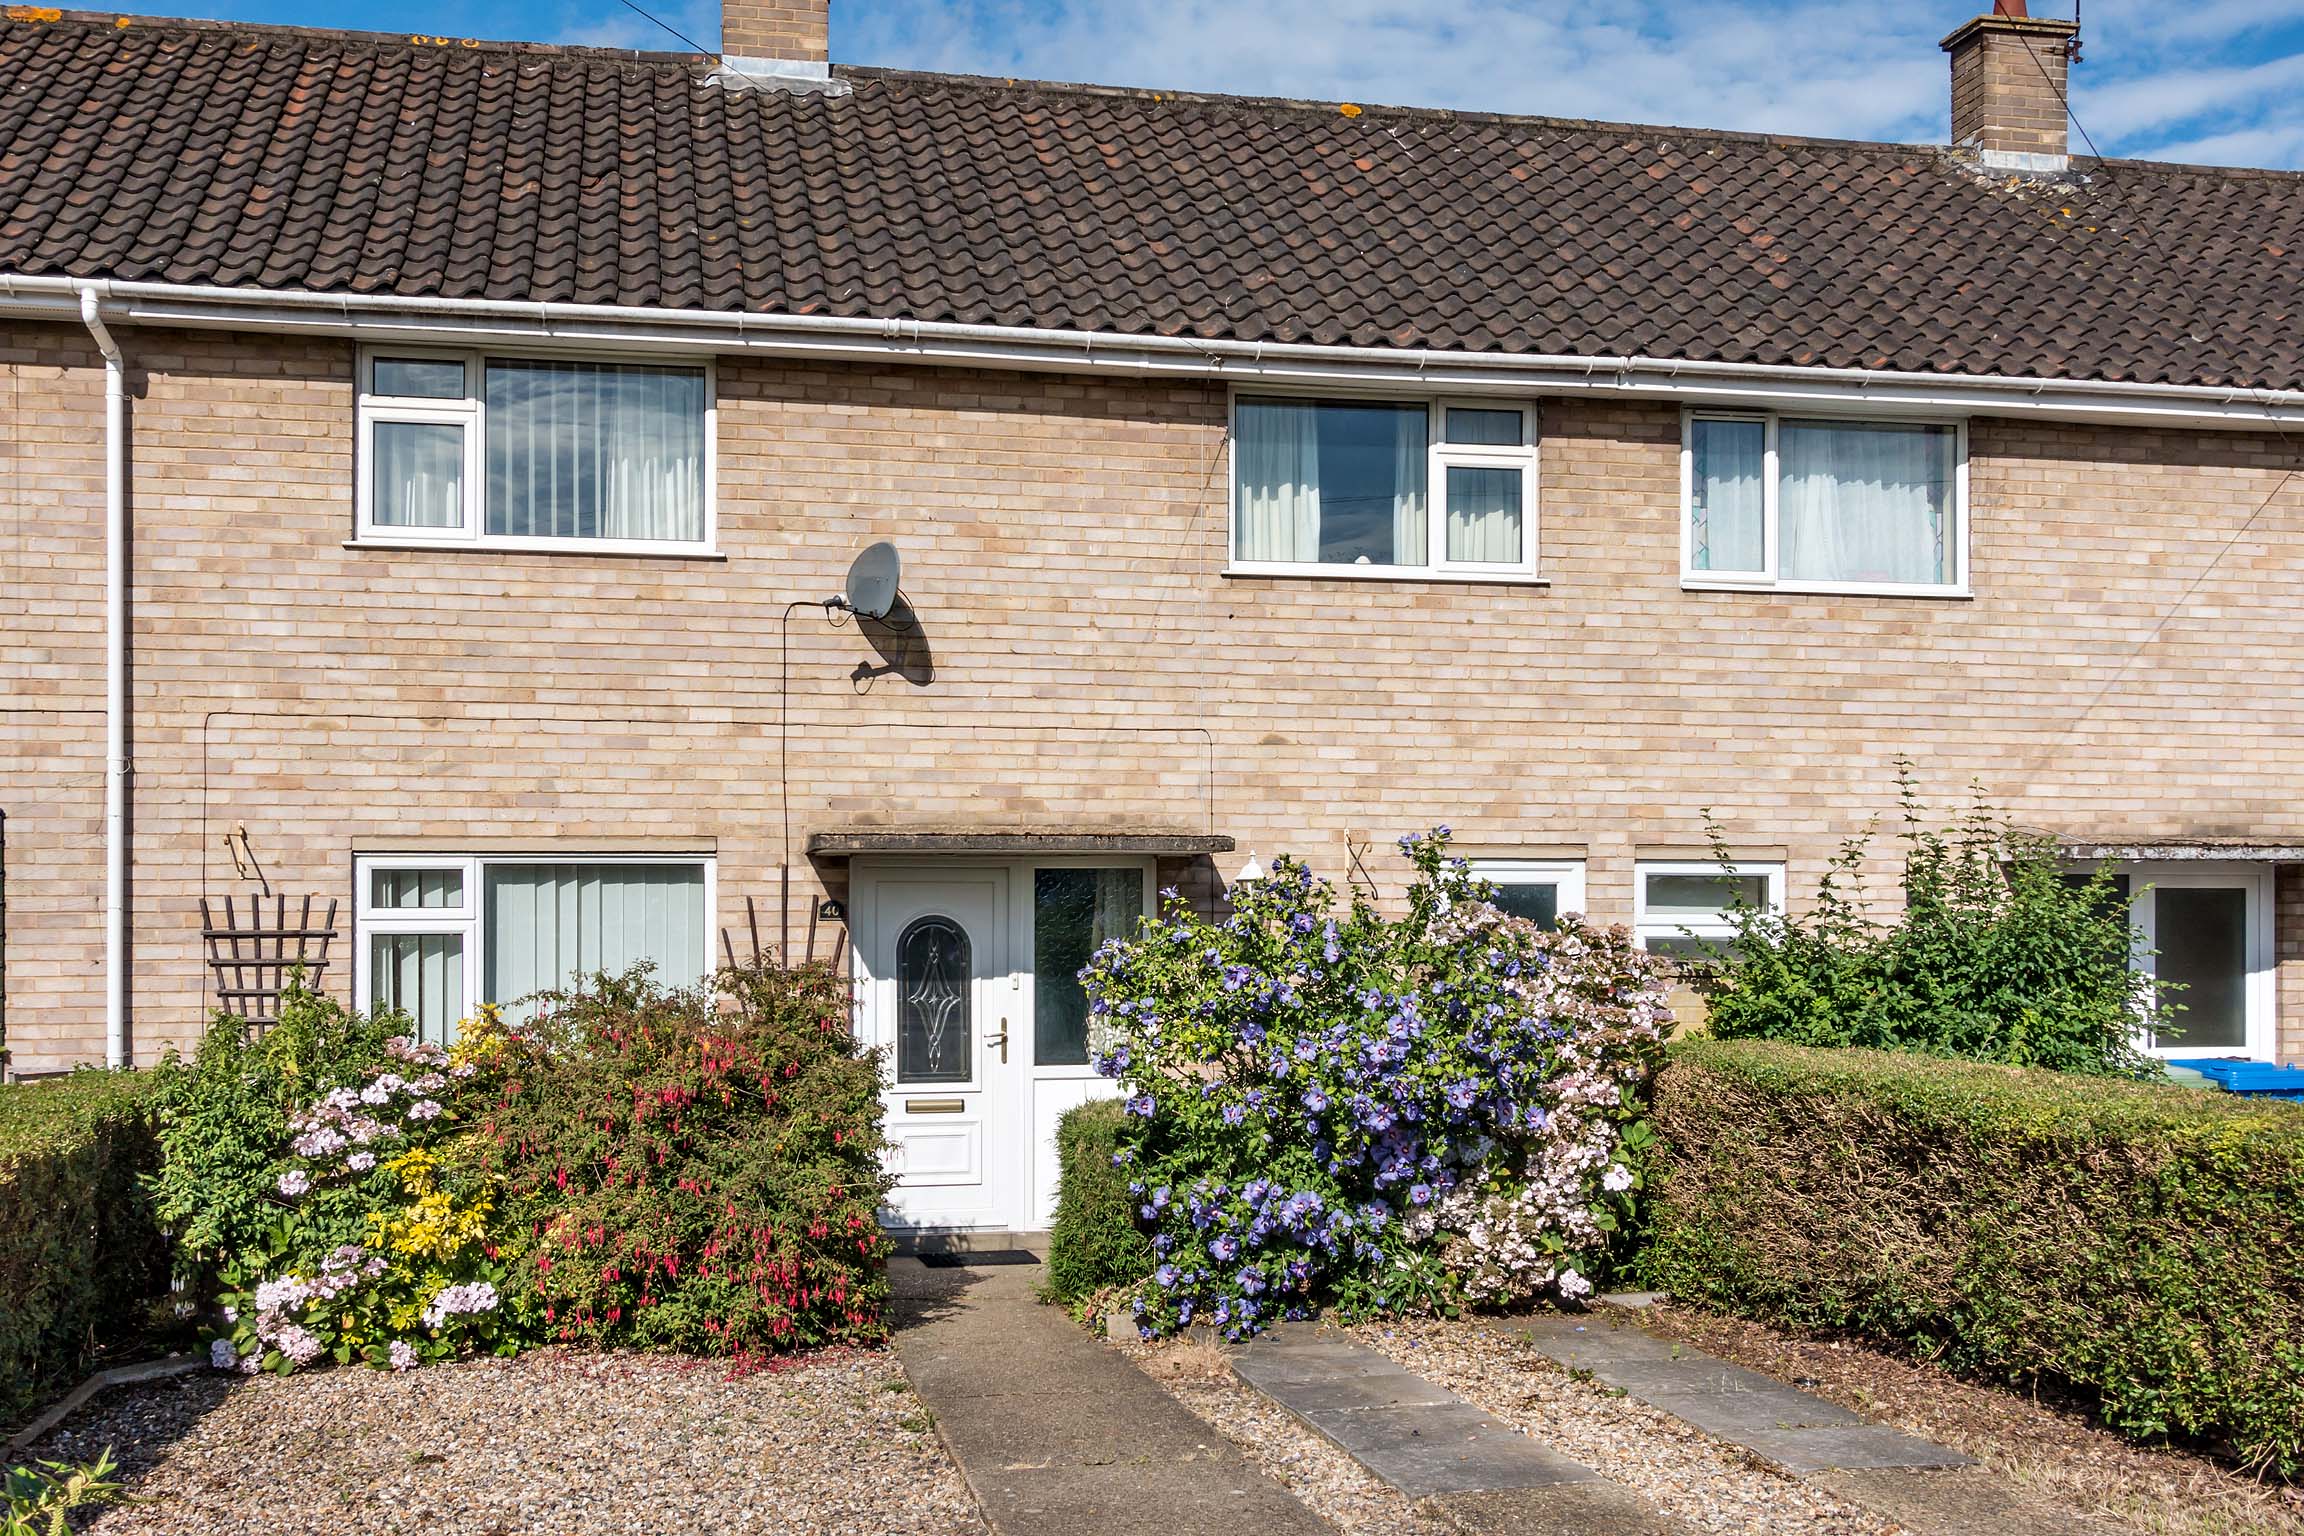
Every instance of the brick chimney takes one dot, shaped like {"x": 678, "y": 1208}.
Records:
{"x": 777, "y": 43}
{"x": 2008, "y": 81}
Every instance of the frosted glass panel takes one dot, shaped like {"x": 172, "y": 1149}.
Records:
{"x": 595, "y": 451}
{"x": 422, "y": 976}
{"x": 1689, "y": 896}
{"x": 2202, "y": 936}
{"x": 419, "y": 475}
{"x": 406, "y": 889}
{"x": 935, "y": 1022}
{"x": 1073, "y": 912}
{"x": 1540, "y": 904}
{"x": 1726, "y": 506}
{"x": 550, "y": 925}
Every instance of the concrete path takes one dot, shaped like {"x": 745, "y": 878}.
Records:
{"x": 1471, "y": 1470}
{"x": 1796, "y": 1431}
{"x": 1059, "y": 1435}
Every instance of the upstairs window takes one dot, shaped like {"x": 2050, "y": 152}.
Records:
{"x": 537, "y": 452}
{"x": 1807, "y": 504}
{"x": 1383, "y": 488}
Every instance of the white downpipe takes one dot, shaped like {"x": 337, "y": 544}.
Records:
{"x": 115, "y": 678}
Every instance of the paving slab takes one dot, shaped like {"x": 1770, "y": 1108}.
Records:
{"x": 1959, "y": 1502}
{"x": 1057, "y": 1434}
{"x": 1797, "y": 1431}
{"x": 1568, "y": 1509}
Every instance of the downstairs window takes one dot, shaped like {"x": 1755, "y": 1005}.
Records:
{"x": 438, "y": 936}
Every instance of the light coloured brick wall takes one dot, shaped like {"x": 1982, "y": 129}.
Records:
{"x": 776, "y": 29}
{"x": 2122, "y": 672}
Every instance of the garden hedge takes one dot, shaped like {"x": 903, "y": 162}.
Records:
{"x": 1094, "y": 1242}
{"x": 2135, "y": 1241}
{"x": 80, "y": 1253}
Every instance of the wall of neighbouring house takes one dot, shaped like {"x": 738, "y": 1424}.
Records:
{"x": 2125, "y": 669}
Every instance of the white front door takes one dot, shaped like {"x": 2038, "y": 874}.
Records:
{"x": 967, "y": 978}
{"x": 937, "y": 992}
{"x": 2211, "y": 925}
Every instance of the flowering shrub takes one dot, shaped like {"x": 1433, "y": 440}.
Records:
{"x": 384, "y": 1250}
{"x": 1329, "y": 1107}
{"x": 696, "y": 1169}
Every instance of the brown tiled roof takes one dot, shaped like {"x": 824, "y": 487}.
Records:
{"x": 353, "y": 163}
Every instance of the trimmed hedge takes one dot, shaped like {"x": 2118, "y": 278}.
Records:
{"x": 1094, "y": 1242}
{"x": 2138, "y": 1242}
{"x": 80, "y": 1252}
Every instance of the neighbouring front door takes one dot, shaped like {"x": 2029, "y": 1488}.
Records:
{"x": 967, "y": 978}
{"x": 2207, "y": 928}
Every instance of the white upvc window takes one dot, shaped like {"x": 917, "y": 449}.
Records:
{"x": 1684, "y": 910}
{"x": 1537, "y": 889}
{"x": 600, "y": 454}
{"x": 1809, "y": 503}
{"x": 1383, "y": 488}
{"x": 436, "y": 935}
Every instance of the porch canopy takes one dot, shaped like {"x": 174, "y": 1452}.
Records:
{"x": 2166, "y": 850}
{"x": 847, "y": 843}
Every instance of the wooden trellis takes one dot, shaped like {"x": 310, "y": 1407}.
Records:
{"x": 254, "y": 952}
{"x": 783, "y": 950}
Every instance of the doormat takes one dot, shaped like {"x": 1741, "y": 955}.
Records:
{"x": 978, "y": 1260}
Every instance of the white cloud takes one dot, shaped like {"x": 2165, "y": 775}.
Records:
{"x": 2214, "y": 78}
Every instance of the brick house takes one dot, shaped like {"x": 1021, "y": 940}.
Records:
{"x": 426, "y": 463}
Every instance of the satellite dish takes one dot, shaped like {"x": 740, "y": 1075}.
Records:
{"x": 872, "y": 581}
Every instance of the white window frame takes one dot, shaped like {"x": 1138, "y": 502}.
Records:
{"x": 2145, "y": 880}
{"x": 465, "y": 920}
{"x": 1565, "y": 876}
{"x": 1716, "y": 928}
{"x": 1766, "y": 579}
{"x": 1439, "y": 458}
{"x": 471, "y": 413}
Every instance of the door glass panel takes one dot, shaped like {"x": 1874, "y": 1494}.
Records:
{"x": 422, "y": 976}
{"x": 934, "y": 1022}
{"x": 1073, "y": 912}
{"x": 2202, "y": 936}
{"x": 1540, "y": 904}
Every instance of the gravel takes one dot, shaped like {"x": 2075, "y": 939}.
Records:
{"x": 1328, "y": 1482}
{"x": 1684, "y": 1472}
{"x": 2052, "y": 1452}
{"x": 568, "y": 1443}
{"x": 1710, "y": 1486}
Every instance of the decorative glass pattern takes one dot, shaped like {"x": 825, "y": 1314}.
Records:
{"x": 935, "y": 1026}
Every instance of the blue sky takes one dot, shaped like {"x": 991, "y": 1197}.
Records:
{"x": 2218, "y": 81}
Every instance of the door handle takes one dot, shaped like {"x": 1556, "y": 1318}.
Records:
{"x": 1000, "y": 1040}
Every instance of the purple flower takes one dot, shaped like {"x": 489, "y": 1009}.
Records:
{"x": 1420, "y": 1194}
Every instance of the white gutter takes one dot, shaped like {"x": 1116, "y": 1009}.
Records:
{"x": 396, "y": 318}
{"x": 115, "y": 677}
